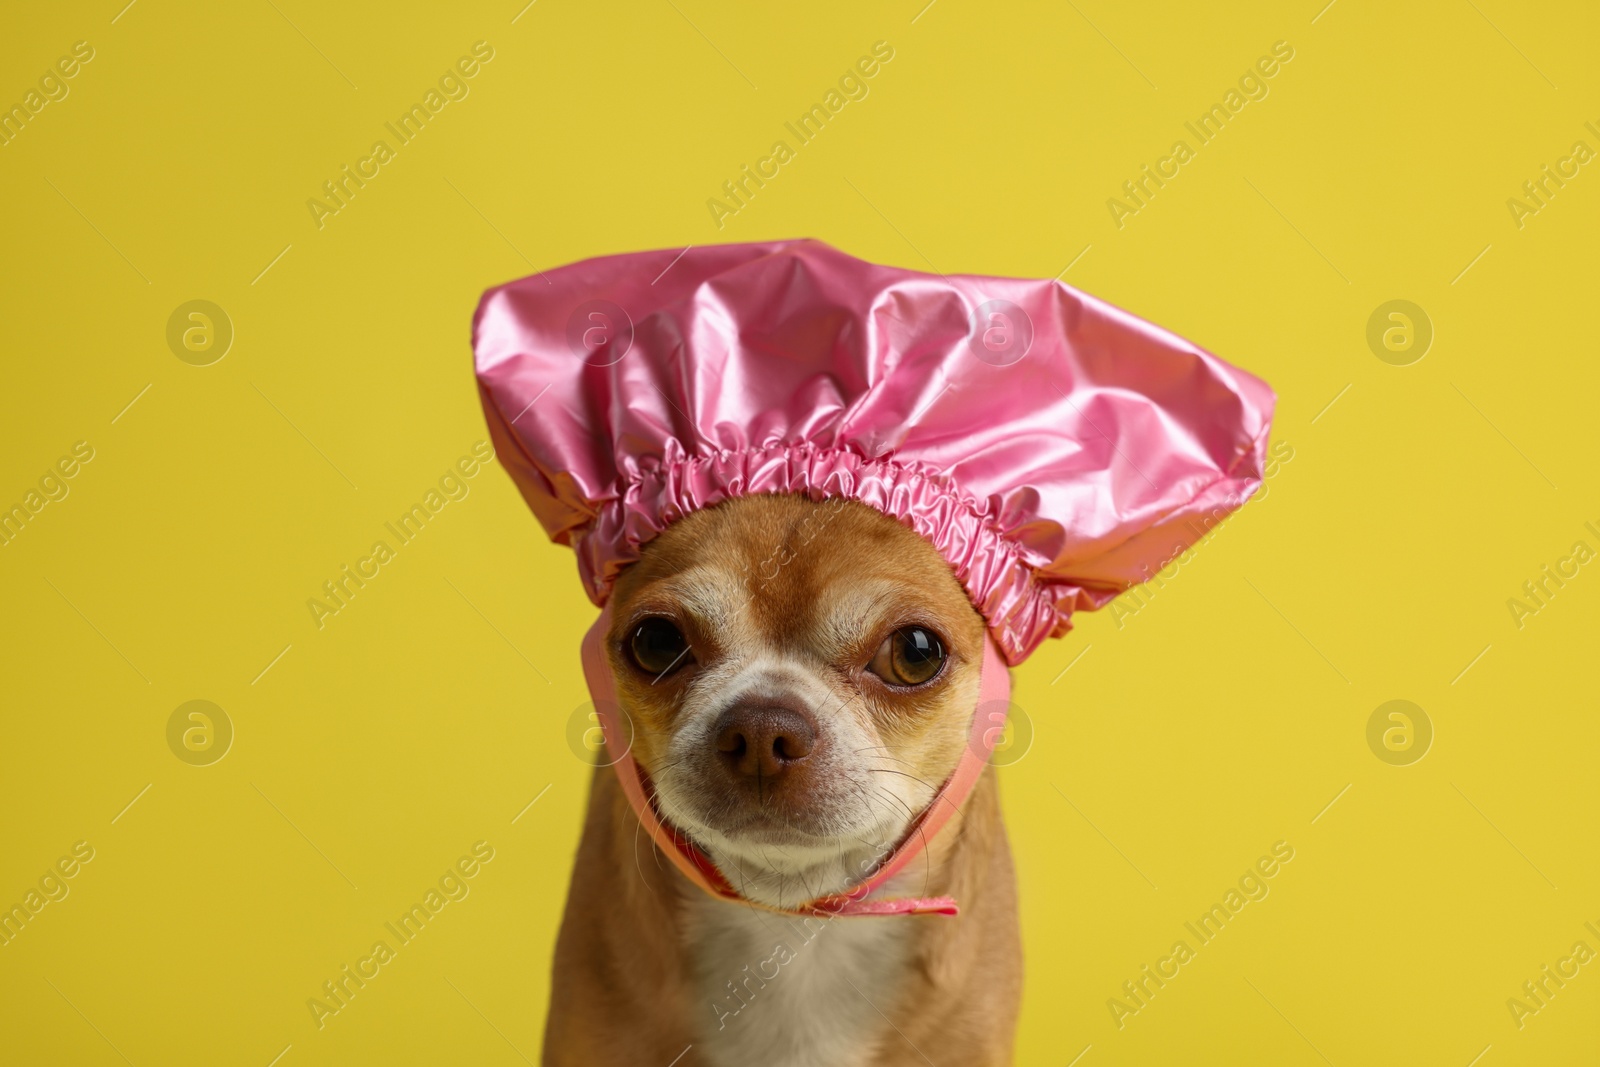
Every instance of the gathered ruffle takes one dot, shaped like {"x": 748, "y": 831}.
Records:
{"x": 1021, "y": 610}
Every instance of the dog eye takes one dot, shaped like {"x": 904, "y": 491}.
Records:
{"x": 657, "y": 646}
{"x": 909, "y": 656}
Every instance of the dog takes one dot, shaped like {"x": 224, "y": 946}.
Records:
{"x": 800, "y": 678}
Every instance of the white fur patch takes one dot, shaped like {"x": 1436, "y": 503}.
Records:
{"x": 785, "y": 992}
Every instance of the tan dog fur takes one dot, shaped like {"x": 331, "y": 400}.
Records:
{"x": 785, "y": 598}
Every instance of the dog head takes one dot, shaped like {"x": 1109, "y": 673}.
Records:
{"x": 801, "y": 678}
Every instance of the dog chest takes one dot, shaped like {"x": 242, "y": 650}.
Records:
{"x": 788, "y": 992}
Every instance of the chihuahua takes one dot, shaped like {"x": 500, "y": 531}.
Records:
{"x": 800, "y": 677}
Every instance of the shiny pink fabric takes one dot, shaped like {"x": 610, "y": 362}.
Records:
{"x": 1054, "y": 449}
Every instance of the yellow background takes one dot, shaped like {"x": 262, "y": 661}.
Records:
{"x": 1219, "y": 719}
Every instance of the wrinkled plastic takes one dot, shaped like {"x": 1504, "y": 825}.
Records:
{"x": 1054, "y": 449}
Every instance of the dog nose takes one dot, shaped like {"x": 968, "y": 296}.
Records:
{"x": 764, "y": 739}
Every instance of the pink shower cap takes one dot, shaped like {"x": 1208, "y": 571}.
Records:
{"x": 1054, "y": 449}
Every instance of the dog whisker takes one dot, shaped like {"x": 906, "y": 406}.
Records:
{"x": 665, "y": 767}
{"x": 927, "y": 872}
{"x": 907, "y": 774}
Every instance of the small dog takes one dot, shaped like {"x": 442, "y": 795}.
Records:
{"x": 800, "y": 678}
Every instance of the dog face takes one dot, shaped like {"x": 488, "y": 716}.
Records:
{"x": 801, "y": 678}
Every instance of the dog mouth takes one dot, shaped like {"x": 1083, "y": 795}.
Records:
{"x": 772, "y": 828}
{"x": 768, "y": 857}
{"x": 715, "y": 818}
{"x": 735, "y": 819}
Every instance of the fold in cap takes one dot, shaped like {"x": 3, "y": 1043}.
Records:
{"x": 1054, "y": 449}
